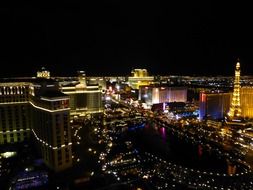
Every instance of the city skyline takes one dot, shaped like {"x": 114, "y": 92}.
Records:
{"x": 111, "y": 38}
{"x": 126, "y": 95}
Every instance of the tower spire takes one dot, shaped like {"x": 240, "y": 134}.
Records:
{"x": 235, "y": 106}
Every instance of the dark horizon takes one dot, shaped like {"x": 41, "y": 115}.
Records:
{"x": 112, "y": 38}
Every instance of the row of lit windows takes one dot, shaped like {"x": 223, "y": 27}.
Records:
{"x": 13, "y": 137}
{"x": 9, "y": 90}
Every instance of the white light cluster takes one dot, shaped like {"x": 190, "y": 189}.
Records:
{"x": 55, "y": 99}
{"x": 50, "y": 146}
{"x": 48, "y": 110}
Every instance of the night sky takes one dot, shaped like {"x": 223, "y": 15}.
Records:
{"x": 112, "y": 37}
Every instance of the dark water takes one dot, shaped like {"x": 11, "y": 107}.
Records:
{"x": 162, "y": 142}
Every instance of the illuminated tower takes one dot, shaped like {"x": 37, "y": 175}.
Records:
{"x": 235, "y": 107}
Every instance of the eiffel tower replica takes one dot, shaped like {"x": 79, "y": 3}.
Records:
{"x": 235, "y": 106}
{"x": 235, "y": 110}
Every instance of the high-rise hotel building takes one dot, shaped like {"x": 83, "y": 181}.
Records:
{"x": 155, "y": 94}
{"x": 140, "y": 77}
{"x": 38, "y": 108}
{"x": 214, "y": 104}
{"x": 85, "y": 96}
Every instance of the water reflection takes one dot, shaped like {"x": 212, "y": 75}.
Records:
{"x": 163, "y": 142}
{"x": 163, "y": 134}
{"x": 200, "y": 151}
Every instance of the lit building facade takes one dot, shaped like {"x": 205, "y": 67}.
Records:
{"x": 247, "y": 102}
{"x": 235, "y": 107}
{"x": 139, "y": 73}
{"x": 97, "y": 81}
{"x": 15, "y": 123}
{"x": 140, "y": 77}
{"x": 38, "y": 109}
{"x": 85, "y": 96}
{"x": 156, "y": 94}
{"x": 214, "y": 105}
